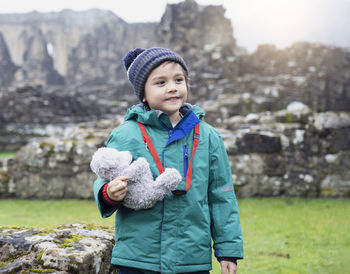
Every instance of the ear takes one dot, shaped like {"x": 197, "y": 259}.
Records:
{"x": 126, "y": 156}
{"x": 144, "y": 100}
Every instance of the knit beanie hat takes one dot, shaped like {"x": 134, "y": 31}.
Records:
{"x": 139, "y": 63}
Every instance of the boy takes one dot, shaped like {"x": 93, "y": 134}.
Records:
{"x": 175, "y": 235}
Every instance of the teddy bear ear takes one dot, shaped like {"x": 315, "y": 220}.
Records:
{"x": 126, "y": 155}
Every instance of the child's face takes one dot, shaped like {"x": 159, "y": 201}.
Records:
{"x": 166, "y": 88}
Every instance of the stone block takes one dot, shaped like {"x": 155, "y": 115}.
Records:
{"x": 65, "y": 249}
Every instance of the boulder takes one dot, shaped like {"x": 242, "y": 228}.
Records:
{"x": 72, "y": 248}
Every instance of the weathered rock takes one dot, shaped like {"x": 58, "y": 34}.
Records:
{"x": 336, "y": 185}
{"x": 331, "y": 120}
{"x": 66, "y": 249}
{"x": 261, "y": 143}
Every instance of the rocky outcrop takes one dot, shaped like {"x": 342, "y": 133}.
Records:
{"x": 65, "y": 249}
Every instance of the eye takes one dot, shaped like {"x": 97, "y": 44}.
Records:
{"x": 180, "y": 79}
{"x": 159, "y": 83}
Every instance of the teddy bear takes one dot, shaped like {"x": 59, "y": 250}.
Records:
{"x": 143, "y": 192}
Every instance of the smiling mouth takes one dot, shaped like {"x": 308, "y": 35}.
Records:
{"x": 172, "y": 99}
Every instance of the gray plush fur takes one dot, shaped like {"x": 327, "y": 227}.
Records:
{"x": 143, "y": 192}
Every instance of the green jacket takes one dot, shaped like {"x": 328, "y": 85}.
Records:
{"x": 175, "y": 235}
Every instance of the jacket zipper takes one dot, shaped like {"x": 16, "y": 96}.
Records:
{"x": 161, "y": 234}
{"x": 162, "y": 220}
{"x": 185, "y": 160}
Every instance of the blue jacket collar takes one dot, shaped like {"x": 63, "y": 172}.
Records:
{"x": 186, "y": 124}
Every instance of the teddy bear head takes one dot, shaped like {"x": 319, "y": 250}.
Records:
{"x": 109, "y": 163}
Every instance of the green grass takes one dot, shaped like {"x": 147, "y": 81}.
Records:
{"x": 49, "y": 213}
{"x": 5, "y": 154}
{"x": 280, "y": 235}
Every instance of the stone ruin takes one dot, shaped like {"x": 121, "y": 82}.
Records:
{"x": 284, "y": 114}
{"x": 294, "y": 152}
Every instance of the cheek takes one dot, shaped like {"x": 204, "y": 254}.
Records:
{"x": 149, "y": 94}
{"x": 153, "y": 99}
{"x": 185, "y": 91}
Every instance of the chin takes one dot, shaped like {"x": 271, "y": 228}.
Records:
{"x": 174, "y": 108}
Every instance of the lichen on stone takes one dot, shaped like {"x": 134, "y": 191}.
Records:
{"x": 66, "y": 249}
{"x": 67, "y": 242}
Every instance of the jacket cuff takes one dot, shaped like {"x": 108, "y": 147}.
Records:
{"x": 230, "y": 259}
{"x": 106, "y": 198}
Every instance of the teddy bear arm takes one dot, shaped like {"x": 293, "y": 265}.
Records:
{"x": 168, "y": 180}
{"x": 153, "y": 191}
{"x": 139, "y": 170}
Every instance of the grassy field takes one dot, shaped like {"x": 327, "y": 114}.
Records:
{"x": 280, "y": 235}
{"x": 5, "y": 154}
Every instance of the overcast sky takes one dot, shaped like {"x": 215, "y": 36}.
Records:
{"x": 280, "y": 22}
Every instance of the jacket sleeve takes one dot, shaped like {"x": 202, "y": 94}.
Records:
{"x": 225, "y": 221}
{"x": 105, "y": 209}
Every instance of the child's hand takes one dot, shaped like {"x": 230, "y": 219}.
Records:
{"x": 228, "y": 266}
{"x": 117, "y": 188}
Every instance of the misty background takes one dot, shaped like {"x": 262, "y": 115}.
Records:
{"x": 254, "y": 21}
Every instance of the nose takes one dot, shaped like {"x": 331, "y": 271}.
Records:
{"x": 172, "y": 86}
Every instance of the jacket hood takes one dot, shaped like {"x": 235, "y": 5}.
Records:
{"x": 139, "y": 113}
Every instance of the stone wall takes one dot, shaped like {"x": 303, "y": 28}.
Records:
{"x": 293, "y": 153}
{"x": 56, "y": 167}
